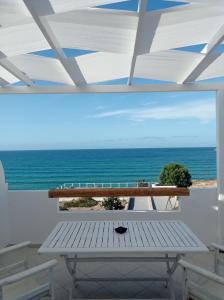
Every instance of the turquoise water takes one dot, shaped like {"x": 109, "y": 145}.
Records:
{"x": 50, "y": 168}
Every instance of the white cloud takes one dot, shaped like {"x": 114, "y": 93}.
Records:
{"x": 203, "y": 111}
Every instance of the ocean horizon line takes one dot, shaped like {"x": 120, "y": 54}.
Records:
{"x": 130, "y": 148}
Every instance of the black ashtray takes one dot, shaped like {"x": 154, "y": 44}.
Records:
{"x": 120, "y": 229}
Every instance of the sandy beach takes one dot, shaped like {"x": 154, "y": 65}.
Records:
{"x": 204, "y": 183}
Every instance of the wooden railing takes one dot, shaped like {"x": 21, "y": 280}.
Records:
{"x": 117, "y": 191}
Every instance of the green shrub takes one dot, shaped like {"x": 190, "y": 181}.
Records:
{"x": 175, "y": 174}
{"x": 81, "y": 202}
{"x": 112, "y": 203}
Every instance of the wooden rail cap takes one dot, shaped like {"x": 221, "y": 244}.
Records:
{"x": 110, "y": 192}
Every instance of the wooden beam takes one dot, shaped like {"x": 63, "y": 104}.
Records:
{"x": 207, "y": 57}
{"x": 108, "y": 89}
{"x": 3, "y": 82}
{"x": 215, "y": 40}
{"x": 141, "y": 9}
{"x": 109, "y": 192}
{"x": 39, "y": 10}
{"x": 11, "y": 68}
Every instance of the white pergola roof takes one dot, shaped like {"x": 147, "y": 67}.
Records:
{"x": 123, "y": 44}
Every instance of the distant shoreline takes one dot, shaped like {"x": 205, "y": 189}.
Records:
{"x": 204, "y": 183}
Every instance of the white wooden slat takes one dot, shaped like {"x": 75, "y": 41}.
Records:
{"x": 152, "y": 232}
{"x": 179, "y": 241}
{"x": 63, "y": 235}
{"x": 181, "y": 237}
{"x": 133, "y": 250}
{"x": 127, "y": 235}
{"x": 158, "y": 234}
{"x": 190, "y": 234}
{"x": 140, "y": 233}
{"x": 148, "y": 235}
{"x": 79, "y": 235}
{"x": 57, "y": 235}
{"x": 52, "y": 234}
{"x": 73, "y": 235}
{"x": 184, "y": 235}
{"x": 116, "y": 236}
{"x": 121, "y": 236}
{"x": 163, "y": 235}
{"x": 95, "y": 234}
{"x": 105, "y": 235}
{"x": 132, "y": 235}
{"x": 69, "y": 234}
{"x": 137, "y": 234}
{"x": 84, "y": 235}
{"x": 100, "y": 235}
{"x": 111, "y": 235}
{"x": 89, "y": 235}
{"x": 171, "y": 241}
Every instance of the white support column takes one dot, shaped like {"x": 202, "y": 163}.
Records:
{"x": 220, "y": 163}
{"x": 4, "y": 210}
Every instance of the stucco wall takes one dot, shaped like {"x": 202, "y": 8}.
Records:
{"x": 32, "y": 215}
{"x": 4, "y": 213}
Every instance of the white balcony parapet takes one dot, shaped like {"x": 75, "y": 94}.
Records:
{"x": 2, "y": 174}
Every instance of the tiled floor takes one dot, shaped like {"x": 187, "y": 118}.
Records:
{"x": 115, "y": 290}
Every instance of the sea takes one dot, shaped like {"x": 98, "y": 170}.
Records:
{"x": 45, "y": 169}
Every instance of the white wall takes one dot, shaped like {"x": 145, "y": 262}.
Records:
{"x": 4, "y": 215}
{"x": 33, "y": 216}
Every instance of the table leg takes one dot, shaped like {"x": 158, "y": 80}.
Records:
{"x": 170, "y": 271}
{"x": 71, "y": 265}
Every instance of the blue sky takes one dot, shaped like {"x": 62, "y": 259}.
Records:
{"x": 109, "y": 120}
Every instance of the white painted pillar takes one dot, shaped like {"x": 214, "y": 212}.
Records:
{"x": 220, "y": 163}
{"x": 4, "y": 210}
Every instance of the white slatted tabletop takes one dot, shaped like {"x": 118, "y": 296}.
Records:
{"x": 141, "y": 236}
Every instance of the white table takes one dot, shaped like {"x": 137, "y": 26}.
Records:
{"x": 159, "y": 241}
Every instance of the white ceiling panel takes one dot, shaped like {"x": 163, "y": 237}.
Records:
{"x": 41, "y": 68}
{"x": 4, "y": 74}
{"x": 166, "y": 65}
{"x": 113, "y": 37}
{"x": 97, "y": 67}
{"x": 175, "y": 29}
{"x": 96, "y": 30}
